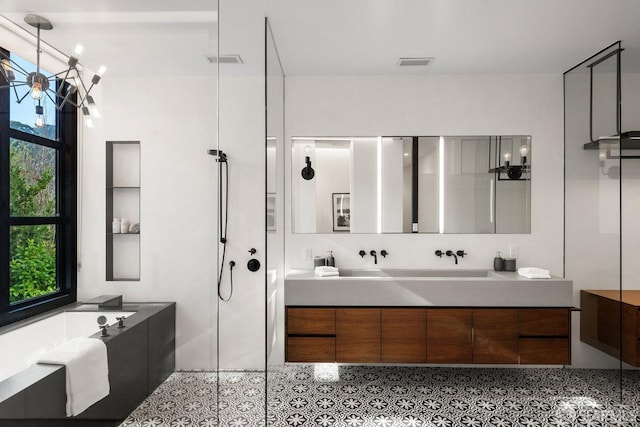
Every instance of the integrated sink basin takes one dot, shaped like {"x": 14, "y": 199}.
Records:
{"x": 422, "y": 287}
{"x": 409, "y": 272}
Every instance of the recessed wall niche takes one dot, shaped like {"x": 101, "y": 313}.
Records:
{"x": 123, "y": 211}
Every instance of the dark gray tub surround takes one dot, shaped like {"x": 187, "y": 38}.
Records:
{"x": 141, "y": 356}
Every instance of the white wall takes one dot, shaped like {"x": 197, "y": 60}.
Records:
{"x": 179, "y": 208}
{"x": 438, "y": 105}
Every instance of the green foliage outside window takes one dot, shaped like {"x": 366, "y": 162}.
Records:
{"x": 32, "y": 250}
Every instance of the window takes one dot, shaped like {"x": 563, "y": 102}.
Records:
{"x": 37, "y": 207}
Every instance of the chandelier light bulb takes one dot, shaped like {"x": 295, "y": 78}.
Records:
{"x": 602, "y": 156}
{"x": 524, "y": 150}
{"x": 36, "y": 90}
{"x": 6, "y": 65}
{"x": 102, "y": 70}
{"x": 507, "y": 157}
{"x": 39, "y": 122}
{"x": 77, "y": 52}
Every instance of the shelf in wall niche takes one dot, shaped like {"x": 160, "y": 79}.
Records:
{"x": 626, "y": 141}
{"x": 123, "y": 190}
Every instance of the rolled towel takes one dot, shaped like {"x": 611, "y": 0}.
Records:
{"x": 326, "y": 271}
{"x": 534, "y": 273}
{"x": 87, "y": 371}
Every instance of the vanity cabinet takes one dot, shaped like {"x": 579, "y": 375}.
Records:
{"x": 510, "y": 335}
{"x": 544, "y": 336}
{"x": 450, "y": 335}
{"x": 311, "y": 335}
{"x": 358, "y": 335}
{"x": 403, "y": 335}
{"x": 495, "y": 336}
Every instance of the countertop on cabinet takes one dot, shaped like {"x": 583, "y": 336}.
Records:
{"x": 496, "y": 289}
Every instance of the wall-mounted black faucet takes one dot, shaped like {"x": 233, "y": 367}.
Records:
{"x": 450, "y": 253}
{"x": 375, "y": 256}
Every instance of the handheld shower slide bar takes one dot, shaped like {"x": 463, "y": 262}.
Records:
{"x": 223, "y": 214}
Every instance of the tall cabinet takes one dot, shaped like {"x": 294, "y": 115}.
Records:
{"x": 123, "y": 211}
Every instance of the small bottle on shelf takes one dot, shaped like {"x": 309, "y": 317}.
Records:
{"x": 115, "y": 226}
{"x": 124, "y": 226}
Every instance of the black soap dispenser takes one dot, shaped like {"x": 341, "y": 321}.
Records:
{"x": 331, "y": 261}
{"x": 498, "y": 262}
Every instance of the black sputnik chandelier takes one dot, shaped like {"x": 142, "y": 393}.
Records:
{"x": 41, "y": 87}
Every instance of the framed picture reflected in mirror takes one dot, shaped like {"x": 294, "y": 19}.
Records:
{"x": 341, "y": 205}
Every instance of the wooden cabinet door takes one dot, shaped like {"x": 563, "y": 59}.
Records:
{"x": 545, "y": 351}
{"x": 311, "y": 349}
{"x": 358, "y": 335}
{"x": 543, "y": 322}
{"x": 311, "y": 321}
{"x": 449, "y": 335}
{"x": 403, "y": 335}
{"x": 495, "y": 335}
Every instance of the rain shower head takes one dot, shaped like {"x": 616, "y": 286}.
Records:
{"x": 221, "y": 157}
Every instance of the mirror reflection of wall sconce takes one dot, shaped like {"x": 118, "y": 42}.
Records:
{"x": 612, "y": 171}
{"x": 307, "y": 171}
{"x": 513, "y": 172}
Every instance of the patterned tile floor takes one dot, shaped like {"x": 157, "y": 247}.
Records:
{"x": 359, "y": 396}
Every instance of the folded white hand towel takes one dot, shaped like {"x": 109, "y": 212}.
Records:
{"x": 87, "y": 371}
{"x": 534, "y": 273}
{"x": 325, "y": 271}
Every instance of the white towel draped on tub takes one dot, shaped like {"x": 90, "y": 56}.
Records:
{"x": 87, "y": 371}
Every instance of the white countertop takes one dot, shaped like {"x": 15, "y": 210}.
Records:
{"x": 495, "y": 289}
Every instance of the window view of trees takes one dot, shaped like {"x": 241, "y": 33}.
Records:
{"x": 32, "y": 193}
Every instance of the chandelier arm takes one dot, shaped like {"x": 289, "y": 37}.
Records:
{"x": 21, "y": 99}
{"x": 14, "y": 65}
{"x": 86, "y": 92}
{"x": 64, "y": 80}
{"x": 50, "y": 98}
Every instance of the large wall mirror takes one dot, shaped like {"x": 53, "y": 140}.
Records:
{"x": 411, "y": 184}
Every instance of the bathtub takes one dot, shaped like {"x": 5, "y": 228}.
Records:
{"x": 29, "y": 342}
{"x": 140, "y": 357}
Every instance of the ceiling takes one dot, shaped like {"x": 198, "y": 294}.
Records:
{"x": 327, "y": 37}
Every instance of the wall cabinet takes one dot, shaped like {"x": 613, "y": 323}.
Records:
{"x": 122, "y": 202}
{"x": 429, "y": 335}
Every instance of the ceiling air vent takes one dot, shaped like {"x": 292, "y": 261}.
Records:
{"x": 409, "y": 62}
{"x": 225, "y": 59}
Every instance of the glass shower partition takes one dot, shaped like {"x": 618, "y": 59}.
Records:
{"x": 601, "y": 196}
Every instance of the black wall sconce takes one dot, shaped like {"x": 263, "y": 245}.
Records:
{"x": 307, "y": 171}
{"x": 513, "y": 172}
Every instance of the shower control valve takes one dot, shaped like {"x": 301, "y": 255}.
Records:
{"x": 104, "y": 332}
{"x": 252, "y": 251}
{"x": 362, "y": 253}
{"x": 439, "y": 253}
{"x": 461, "y": 253}
{"x": 384, "y": 253}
